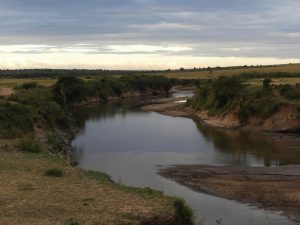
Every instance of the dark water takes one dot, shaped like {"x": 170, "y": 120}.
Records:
{"x": 131, "y": 145}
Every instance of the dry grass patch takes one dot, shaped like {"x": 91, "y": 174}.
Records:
{"x": 29, "y": 197}
{"x": 215, "y": 73}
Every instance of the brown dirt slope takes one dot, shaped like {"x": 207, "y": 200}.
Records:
{"x": 284, "y": 120}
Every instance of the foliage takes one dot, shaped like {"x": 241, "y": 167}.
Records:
{"x": 183, "y": 212}
{"x": 220, "y": 94}
{"x": 44, "y": 111}
{"x": 69, "y": 90}
{"x": 15, "y": 120}
{"x": 289, "y": 92}
{"x": 267, "y": 82}
{"x": 27, "y": 85}
{"x": 28, "y": 145}
{"x": 114, "y": 87}
{"x": 96, "y": 175}
{"x": 231, "y": 94}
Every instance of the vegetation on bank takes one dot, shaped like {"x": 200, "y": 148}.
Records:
{"x": 37, "y": 107}
{"x": 232, "y": 94}
{"x": 46, "y": 186}
{"x": 34, "y": 120}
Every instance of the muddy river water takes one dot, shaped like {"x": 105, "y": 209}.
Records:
{"x": 131, "y": 146}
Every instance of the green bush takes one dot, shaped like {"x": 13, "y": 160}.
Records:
{"x": 220, "y": 94}
{"x": 28, "y": 145}
{"x": 44, "y": 111}
{"x": 289, "y": 92}
{"x": 27, "y": 85}
{"x": 267, "y": 82}
{"x": 69, "y": 90}
{"x": 54, "y": 172}
{"x": 183, "y": 212}
{"x": 267, "y": 107}
{"x": 15, "y": 120}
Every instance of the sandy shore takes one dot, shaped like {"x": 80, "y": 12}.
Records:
{"x": 271, "y": 188}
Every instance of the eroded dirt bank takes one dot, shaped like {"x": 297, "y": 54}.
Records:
{"x": 271, "y": 188}
{"x": 284, "y": 120}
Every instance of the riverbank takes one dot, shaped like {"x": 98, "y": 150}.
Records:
{"x": 38, "y": 182}
{"x": 270, "y": 188}
{"x": 283, "y": 121}
{"x": 72, "y": 196}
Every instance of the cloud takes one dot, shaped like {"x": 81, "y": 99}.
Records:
{"x": 208, "y": 28}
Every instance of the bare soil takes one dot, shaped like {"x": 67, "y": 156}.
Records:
{"x": 284, "y": 120}
{"x": 6, "y": 91}
{"x": 272, "y": 188}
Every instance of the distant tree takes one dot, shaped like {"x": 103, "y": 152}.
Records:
{"x": 266, "y": 83}
{"x": 69, "y": 90}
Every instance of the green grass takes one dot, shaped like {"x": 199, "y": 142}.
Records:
{"x": 54, "y": 172}
{"x": 106, "y": 179}
{"x": 13, "y": 82}
{"x": 25, "y": 187}
{"x": 28, "y": 145}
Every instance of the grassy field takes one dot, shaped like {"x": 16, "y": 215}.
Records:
{"x": 74, "y": 197}
{"x": 292, "y": 68}
{"x": 7, "y": 85}
{"x": 275, "y": 81}
{"x": 6, "y": 82}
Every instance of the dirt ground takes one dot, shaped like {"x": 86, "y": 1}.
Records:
{"x": 6, "y": 91}
{"x": 285, "y": 120}
{"x": 272, "y": 188}
{"x": 28, "y": 196}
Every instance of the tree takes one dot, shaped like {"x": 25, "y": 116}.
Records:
{"x": 266, "y": 83}
{"x": 69, "y": 90}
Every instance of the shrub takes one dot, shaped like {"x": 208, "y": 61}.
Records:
{"x": 219, "y": 94}
{"x": 184, "y": 213}
{"x": 267, "y": 107}
{"x": 69, "y": 90}
{"x": 28, "y": 145}
{"x": 289, "y": 92}
{"x": 54, "y": 172}
{"x": 15, "y": 120}
{"x": 28, "y": 85}
{"x": 266, "y": 83}
{"x": 43, "y": 109}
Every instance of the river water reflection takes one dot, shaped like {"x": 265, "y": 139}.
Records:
{"x": 131, "y": 145}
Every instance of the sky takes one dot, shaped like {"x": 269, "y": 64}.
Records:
{"x": 147, "y": 34}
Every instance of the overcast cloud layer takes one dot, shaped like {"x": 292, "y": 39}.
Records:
{"x": 155, "y": 33}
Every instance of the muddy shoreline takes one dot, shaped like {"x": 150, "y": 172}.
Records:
{"x": 273, "y": 188}
{"x": 266, "y": 187}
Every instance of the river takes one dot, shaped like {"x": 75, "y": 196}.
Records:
{"x": 131, "y": 146}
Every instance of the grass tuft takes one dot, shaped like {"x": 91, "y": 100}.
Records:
{"x": 54, "y": 172}
{"x": 25, "y": 187}
{"x": 28, "y": 145}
